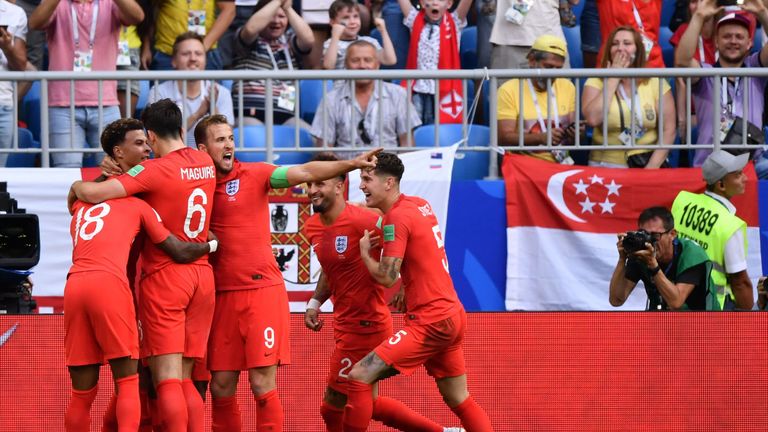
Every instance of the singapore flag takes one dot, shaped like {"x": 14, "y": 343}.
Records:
{"x": 562, "y": 222}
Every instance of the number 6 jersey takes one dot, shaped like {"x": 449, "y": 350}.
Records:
{"x": 179, "y": 186}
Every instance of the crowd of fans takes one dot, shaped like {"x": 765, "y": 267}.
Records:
{"x": 85, "y": 35}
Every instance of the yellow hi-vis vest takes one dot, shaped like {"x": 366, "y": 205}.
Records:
{"x": 708, "y": 222}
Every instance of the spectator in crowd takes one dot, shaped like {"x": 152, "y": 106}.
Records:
{"x": 13, "y": 57}
{"x": 128, "y": 59}
{"x": 174, "y": 17}
{"x": 203, "y": 96}
{"x": 733, "y": 38}
{"x": 274, "y": 38}
{"x": 345, "y": 29}
{"x": 675, "y": 271}
{"x": 637, "y": 116}
{"x": 315, "y": 13}
{"x": 35, "y": 39}
{"x": 516, "y": 28}
{"x": 539, "y": 116}
{"x": 346, "y": 119}
{"x": 705, "y": 53}
{"x": 435, "y": 38}
{"x": 721, "y": 233}
{"x": 82, "y": 36}
{"x": 590, "y": 33}
{"x": 643, "y": 15}
{"x": 243, "y": 10}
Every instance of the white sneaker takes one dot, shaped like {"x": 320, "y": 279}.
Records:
{"x": 453, "y": 429}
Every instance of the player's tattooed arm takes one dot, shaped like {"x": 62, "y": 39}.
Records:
{"x": 321, "y": 294}
{"x": 181, "y": 251}
{"x": 384, "y": 271}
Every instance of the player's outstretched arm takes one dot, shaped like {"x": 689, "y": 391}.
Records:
{"x": 93, "y": 192}
{"x": 321, "y": 294}
{"x": 385, "y": 271}
{"x": 186, "y": 252}
{"x": 323, "y": 170}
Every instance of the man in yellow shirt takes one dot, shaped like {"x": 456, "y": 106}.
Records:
{"x": 174, "y": 17}
{"x": 540, "y": 118}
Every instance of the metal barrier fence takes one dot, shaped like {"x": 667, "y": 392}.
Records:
{"x": 484, "y": 76}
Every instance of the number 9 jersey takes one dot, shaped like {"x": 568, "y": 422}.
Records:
{"x": 179, "y": 186}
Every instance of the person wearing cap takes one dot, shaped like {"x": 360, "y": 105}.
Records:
{"x": 635, "y": 115}
{"x": 734, "y": 33}
{"x": 710, "y": 220}
{"x": 544, "y": 113}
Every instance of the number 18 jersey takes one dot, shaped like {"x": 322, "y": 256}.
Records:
{"x": 179, "y": 186}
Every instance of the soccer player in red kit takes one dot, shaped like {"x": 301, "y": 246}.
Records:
{"x": 250, "y": 328}
{"x": 435, "y": 319}
{"x": 175, "y": 300}
{"x": 100, "y": 320}
{"x": 361, "y": 316}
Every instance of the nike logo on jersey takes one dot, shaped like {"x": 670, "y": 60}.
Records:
{"x": 7, "y": 335}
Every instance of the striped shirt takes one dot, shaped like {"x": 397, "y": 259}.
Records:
{"x": 280, "y": 54}
{"x": 337, "y": 120}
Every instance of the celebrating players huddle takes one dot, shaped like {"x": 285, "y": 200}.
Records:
{"x": 211, "y": 296}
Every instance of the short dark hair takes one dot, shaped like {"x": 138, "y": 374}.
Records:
{"x": 201, "y": 130}
{"x": 328, "y": 157}
{"x": 657, "y": 212}
{"x": 185, "y": 37}
{"x": 163, "y": 118}
{"x": 389, "y": 164}
{"x": 339, "y": 5}
{"x": 114, "y": 134}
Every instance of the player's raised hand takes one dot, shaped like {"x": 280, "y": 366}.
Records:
{"x": 312, "y": 321}
{"x": 109, "y": 167}
{"x": 398, "y": 300}
{"x": 367, "y": 159}
{"x": 365, "y": 243}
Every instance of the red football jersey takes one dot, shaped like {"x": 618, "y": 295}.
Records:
{"x": 102, "y": 234}
{"x": 180, "y": 187}
{"x": 244, "y": 259}
{"x": 358, "y": 301}
{"x": 411, "y": 232}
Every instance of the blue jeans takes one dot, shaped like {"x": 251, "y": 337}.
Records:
{"x": 6, "y": 131}
{"x": 425, "y": 107}
{"x": 590, "y": 27}
{"x": 486, "y": 15}
{"x": 399, "y": 33}
{"x": 162, "y": 61}
{"x": 87, "y": 131}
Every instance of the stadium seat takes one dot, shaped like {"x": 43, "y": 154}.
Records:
{"x": 578, "y": 9}
{"x": 667, "y": 50}
{"x": 30, "y": 110}
{"x": 24, "y": 160}
{"x": 283, "y": 136}
{"x": 667, "y": 11}
{"x": 573, "y": 39}
{"x": 468, "y": 165}
{"x": 468, "y": 48}
{"x": 310, "y": 95}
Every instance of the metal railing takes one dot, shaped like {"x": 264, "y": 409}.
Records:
{"x": 483, "y": 76}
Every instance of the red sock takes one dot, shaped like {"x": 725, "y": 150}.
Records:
{"x": 128, "y": 407}
{"x": 226, "y": 415}
{"x": 269, "y": 412}
{"x": 359, "y": 409}
{"x": 110, "y": 416}
{"x": 172, "y": 405}
{"x": 145, "y": 423}
{"x": 332, "y": 416}
{"x": 396, "y": 414}
{"x": 195, "y": 407}
{"x": 78, "y": 416}
{"x": 473, "y": 418}
{"x": 154, "y": 414}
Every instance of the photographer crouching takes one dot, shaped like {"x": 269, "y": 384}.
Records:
{"x": 675, "y": 271}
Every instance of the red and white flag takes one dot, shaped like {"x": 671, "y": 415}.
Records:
{"x": 562, "y": 222}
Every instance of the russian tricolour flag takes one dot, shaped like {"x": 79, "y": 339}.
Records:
{"x": 562, "y": 222}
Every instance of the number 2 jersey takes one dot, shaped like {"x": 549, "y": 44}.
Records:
{"x": 102, "y": 234}
{"x": 179, "y": 186}
{"x": 244, "y": 259}
{"x": 411, "y": 232}
{"x": 358, "y": 301}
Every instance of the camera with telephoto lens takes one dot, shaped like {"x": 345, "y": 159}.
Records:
{"x": 635, "y": 241}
